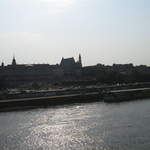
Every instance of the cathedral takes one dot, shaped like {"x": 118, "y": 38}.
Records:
{"x": 17, "y": 74}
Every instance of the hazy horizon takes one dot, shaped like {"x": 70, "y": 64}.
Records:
{"x": 103, "y": 31}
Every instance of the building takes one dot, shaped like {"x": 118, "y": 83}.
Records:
{"x": 70, "y": 67}
{"x": 18, "y": 74}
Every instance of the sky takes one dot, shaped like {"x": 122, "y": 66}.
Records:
{"x": 103, "y": 31}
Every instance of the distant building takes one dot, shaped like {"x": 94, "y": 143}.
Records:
{"x": 17, "y": 74}
{"x": 123, "y": 68}
{"x": 2, "y": 65}
{"x": 14, "y": 61}
{"x": 70, "y": 67}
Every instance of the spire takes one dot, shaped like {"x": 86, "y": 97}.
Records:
{"x": 14, "y": 61}
{"x": 2, "y": 64}
{"x": 80, "y": 60}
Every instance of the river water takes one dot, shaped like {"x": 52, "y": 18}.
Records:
{"x": 93, "y": 126}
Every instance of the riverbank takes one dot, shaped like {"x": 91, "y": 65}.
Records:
{"x": 126, "y": 95}
{"x": 50, "y": 100}
{"x": 107, "y": 96}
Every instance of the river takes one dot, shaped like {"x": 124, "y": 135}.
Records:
{"x": 93, "y": 126}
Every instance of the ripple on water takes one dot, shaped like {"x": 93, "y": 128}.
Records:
{"x": 98, "y": 126}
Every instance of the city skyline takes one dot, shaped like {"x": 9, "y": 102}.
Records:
{"x": 76, "y": 59}
{"x": 44, "y": 31}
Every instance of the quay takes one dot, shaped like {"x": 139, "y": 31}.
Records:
{"x": 107, "y": 96}
{"x": 126, "y": 95}
{"x": 51, "y": 100}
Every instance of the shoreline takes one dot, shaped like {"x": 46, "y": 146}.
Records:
{"x": 113, "y": 96}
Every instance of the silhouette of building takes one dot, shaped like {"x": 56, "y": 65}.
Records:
{"x": 70, "y": 67}
{"x": 2, "y": 65}
{"x": 80, "y": 60}
{"x": 14, "y": 61}
{"x": 17, "y": 74}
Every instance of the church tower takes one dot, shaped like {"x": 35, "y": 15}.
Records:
{"x": 2, "y": 64}
{"x": 14, "y": 61}
{"x": 80, "y": 60}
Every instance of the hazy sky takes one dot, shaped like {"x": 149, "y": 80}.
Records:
{"x": 103, "y": 31}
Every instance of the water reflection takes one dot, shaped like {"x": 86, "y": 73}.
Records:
{"x": 85, "y": 126}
